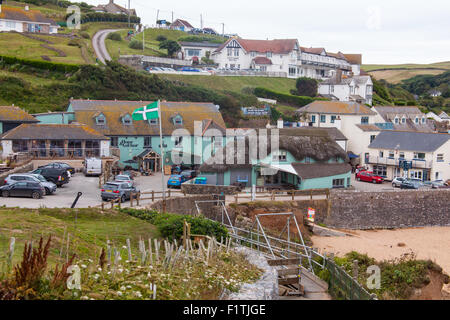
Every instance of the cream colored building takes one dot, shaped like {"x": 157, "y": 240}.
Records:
{"x": 428, "y": 155}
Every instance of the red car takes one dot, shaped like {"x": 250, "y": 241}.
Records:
{"x": 368, "y": 177}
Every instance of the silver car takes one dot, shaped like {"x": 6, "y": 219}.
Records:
{"x": 49, "y": 187}
{"x": 118, "y": 190}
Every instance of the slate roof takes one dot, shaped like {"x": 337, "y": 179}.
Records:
{"x": 337, "y": 107}
{"x": 19, "y": 14}
{"x": 86, "y": 110}
{"x": 320, "y": 170}
{"x": 409, "y": 141}
{"x": 53, "y": 132}
{"x": 15, "y": 114}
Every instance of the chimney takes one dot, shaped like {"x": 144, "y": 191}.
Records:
{"x": 280, "y": 123}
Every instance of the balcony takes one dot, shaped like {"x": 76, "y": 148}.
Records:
{"x": 416, "y": 163}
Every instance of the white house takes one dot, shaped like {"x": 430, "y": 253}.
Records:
{"x": 25, "y": 20}
{"x": 284, "y": 57}
{"x": 357, "y": 88}
{"x": 355, "y": 121}
{"x": 427, "y": 155}
{"x": 181, "y": 25}
{"x": 190, "y": 50}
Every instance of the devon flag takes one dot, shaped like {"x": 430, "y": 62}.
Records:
{"x": 148, "y": 112}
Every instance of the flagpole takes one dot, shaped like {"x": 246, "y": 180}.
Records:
{"x": 162, "y": 157}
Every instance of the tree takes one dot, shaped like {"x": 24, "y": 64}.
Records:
{"x": 306, "y": 87}
{"x": 171, "y": 46}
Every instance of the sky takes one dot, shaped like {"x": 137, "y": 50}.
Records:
{"x": 384, "y": 31}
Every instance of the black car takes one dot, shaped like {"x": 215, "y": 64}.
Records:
{"x": 55, "y": 175}
{"x": 23, "y": 189}
{"x": 189, "y": 174}
{"x": 60, "y": 165}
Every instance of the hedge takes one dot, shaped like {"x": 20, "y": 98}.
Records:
{"x": 43, "y": 65}
{"x": 298, "y": 101}
{"x": 171, "y": 225}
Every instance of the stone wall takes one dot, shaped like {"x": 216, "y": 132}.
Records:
{"x": 386, "y": 210}
{"x": 208, "y": 189}
{"x": 25, "y": 168}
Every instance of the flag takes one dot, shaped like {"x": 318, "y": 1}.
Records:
{"x": 148, "y": 112}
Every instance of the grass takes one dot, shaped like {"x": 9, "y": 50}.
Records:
{"x": 234, "y": 84}
{"x": 92, "y": 230}
{"x": 397, "y": 73}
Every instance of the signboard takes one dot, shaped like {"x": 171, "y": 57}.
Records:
{"x": 311, "y": 215}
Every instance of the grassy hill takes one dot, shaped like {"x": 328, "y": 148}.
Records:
{"x": 93, "y": 228}
{"x": 397, "y": 73}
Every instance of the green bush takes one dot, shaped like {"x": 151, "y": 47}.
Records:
{"x": 171, "y": 225}
{"x": 135, "y": 44}
{"x": 297, "y": 101}
{"x": 115, "y": 36}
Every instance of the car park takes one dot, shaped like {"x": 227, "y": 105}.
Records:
{"x": 59, "y": 177}
{"x": 118, "y": 190}
{"x": 175, "y": 181}
{"x": 397, "y": 182}
{"x": 28, "y": 189}
{"x": 368, "y": 177}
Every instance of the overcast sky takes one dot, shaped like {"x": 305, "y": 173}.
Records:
{"x": 384, "y": 31}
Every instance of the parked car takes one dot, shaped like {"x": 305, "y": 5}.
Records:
{"x": 31, "y": 189}
{"x": 59, "y": 177}
{"x": 175, "y": 181}
{"x": 368, "y": 177}
{"x": 60, "y": 165}
{"x": 49, "y": 187}
{"x": 116, "y": 190}
{"x": 124, "y": 178}
{"x": 397, "y": 182}
{"x": 189, "y": 174}
{"x": 411, "y": 184}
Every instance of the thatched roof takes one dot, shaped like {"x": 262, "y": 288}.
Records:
{"x": 315, "y": 144}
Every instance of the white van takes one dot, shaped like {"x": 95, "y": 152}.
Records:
{"x": 93, "y": 167}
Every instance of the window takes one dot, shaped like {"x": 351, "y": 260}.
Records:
{"x": 333, "y": 119}
{"x": 114, "y": 142}
{"x": 391, "y": 154}
{"x": 364, "y": 120}
{"x": 419, "y": 156}
{"x": 323, "y": 118}
{"x": 338, "y": 183}
{"x": 313, "y": 119}
{"x": 380, "y": 171}
{"x": 381, "y": 154}
{"x": 440, "y": 157}
{"x": 147, "y": 142}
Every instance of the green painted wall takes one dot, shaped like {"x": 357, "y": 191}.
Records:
{"x": 323, "y": 183}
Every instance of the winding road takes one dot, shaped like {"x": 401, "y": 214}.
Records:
{"x": 98, "y": 42}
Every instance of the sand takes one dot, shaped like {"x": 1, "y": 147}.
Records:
{"x": 427, "y": 243}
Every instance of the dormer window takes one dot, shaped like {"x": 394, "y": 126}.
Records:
{"x": 100, "y": 119}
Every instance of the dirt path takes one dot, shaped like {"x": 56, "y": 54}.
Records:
{"x": 428, "y": 243}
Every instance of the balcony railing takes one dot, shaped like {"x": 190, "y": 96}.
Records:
{"x": 416, "y": 163}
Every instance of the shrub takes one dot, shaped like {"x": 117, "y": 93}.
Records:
{"x": 114, "y": 36}
{"x": 136, "y": 44}
{"x": 85, "y": 35}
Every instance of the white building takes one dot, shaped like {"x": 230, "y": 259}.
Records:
{"x": 357, "y": 88}
{"x": 190, "y": 50}
{"x": 427, "y": 154}
{"x": 355, "y": 121}
{"x": 281, "y": 57}
{"x": 25, "y": 20}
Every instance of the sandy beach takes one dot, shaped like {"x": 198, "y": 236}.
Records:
{"x": 427, "y": 243}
